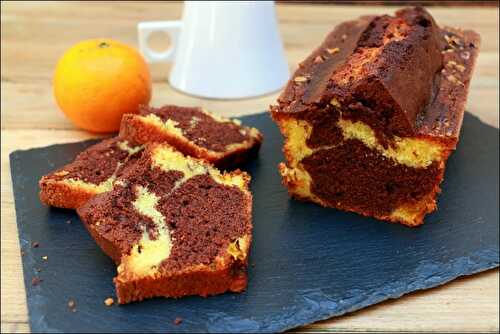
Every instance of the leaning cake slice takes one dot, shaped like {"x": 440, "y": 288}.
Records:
{"x": 223, "y": 142}
{"x": 92, "y": 172}
{"x": 371, "y": 116}
{"x": 175, "y": 226}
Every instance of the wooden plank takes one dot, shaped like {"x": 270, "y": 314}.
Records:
{"x": 29, "y": 105}
{"x": 29, "y": 31}
{"x": 15, "y": 327}
{"x": 28, "y": 60}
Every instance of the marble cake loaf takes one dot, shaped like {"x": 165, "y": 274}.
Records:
{"x": 371, "y": 116}
{"x": 175, "y": 226}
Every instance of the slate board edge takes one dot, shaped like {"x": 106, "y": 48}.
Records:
{"x": 28, "y": 261}
{"x": 474, "y": 267}
{"x": 26, "y": 253}
{"x": 83, "y": 142}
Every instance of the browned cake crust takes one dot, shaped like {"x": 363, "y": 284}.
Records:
{"x": 175, "y": 226}
{"x": 93, "y": 171}
{"x": 195, "y": 132}
{"x": 371, "y": 116}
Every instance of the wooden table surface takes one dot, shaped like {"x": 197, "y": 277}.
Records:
{"x": 34, "y": 35}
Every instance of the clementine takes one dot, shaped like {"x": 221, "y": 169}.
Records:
{"x": 97, "y": 81}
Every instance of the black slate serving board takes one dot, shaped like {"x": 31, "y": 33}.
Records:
{"x": 307, "y": 263}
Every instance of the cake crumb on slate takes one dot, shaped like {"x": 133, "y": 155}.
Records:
{"x": 36, "y": 280}
{"x": 178, "y": 321}
{"x": 109, "y": 301}
{"x": 72, "y": 305}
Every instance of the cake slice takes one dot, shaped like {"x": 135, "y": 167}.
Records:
{"x": 371, "y": 116}
{"x": 223, "y": 142}
{"x": 175, "y": 226}
{"x": 92, "y": 172}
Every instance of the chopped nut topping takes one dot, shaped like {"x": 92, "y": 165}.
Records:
{"x": 61, "y": 173}
{"x": 120, "y": 183}
{"x": 453, "y": 79}
{"x": 318, "y": 59}
{"x": 334, "y": 102}
{"x": 453, "y": 64}
{"x": 236, "y": 121}
{"x": 45, "y": 257}
{"x": 332, "y": 51}
{"x": 465, "y": 55}
{"x": 452, "y": 40}
{"x": 344, "y": 37}
{"x": 72, "y": 305}
{"x": 300, "y": 79}
{"x": 109, "y": 301}
{"x": 35, "y": 281}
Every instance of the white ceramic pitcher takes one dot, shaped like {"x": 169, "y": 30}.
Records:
{"x": 222, "y": 49}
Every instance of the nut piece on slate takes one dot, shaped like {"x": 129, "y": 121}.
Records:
{"x": 109, "y": 301}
